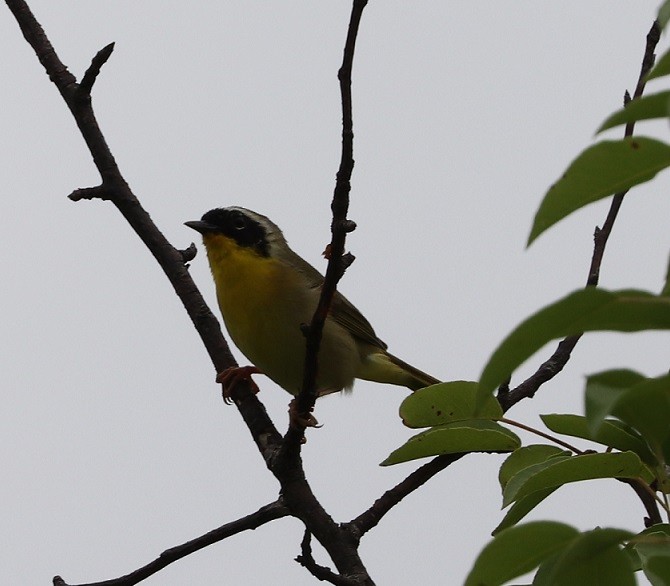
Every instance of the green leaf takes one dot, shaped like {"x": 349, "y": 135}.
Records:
{"x": 524, "y": 474}
{"x": 552, "y": 474}
{"x": 521, "y": 508}
{"x": 663, "y": 528}
{"x": 474, "y": 435}
{"x": 653, "y": 549}
{"x": 644, "y": 108}
{"x": 610, "y": 433}
{"x": 602, "y": 391}
{"x": 646, "y": 407}
{"x": 527, "y": 456}
{"x": 592, "y": 558}
{"x": 641, "y": 403}
{"x": 601, "y": 170}
{"x": 585, "y": 310}
{"x": 446, "y": 403}
{"x": 518, "y": 550}
{"x": 656, "y": 563}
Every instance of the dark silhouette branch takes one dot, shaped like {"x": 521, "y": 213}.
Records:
{"x": 545, "y": 372}
{"x": 92, "y": 72}
{"x": 370, "y": 518}
{"x": 551, "y": 367}
{"x": 646, "y": 496}
{"x": 255, "y": 520}
{"x": 282, "y": 455}
{"x": 264, "y": 515}
{"x": 288, "y": 466}
{"x": 297, "y": 495}
{"x": 306, "y": 560}
{"x": 89, "y": 193}
{"x": 340, "y": 227}
{"x": 114, "y": 187}
{"x": 188, "y": 254}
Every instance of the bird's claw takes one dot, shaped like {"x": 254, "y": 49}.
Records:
{"x": 300, "y": 420}
{"x": 232, "y": 376}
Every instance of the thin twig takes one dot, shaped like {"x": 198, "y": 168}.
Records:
{"x": 188, "y": 253}
{"x": 115, "y": 188}
{"x": 547, "y": 370}
{"x": 370, "y": 518}
{"x": 93, "y": 71}
{"x": 541, "y": 433}
{"x": 264, "y": 515}
{"x": 340, "y": 226}
{"x": 97, "y": 192}
{"x": 551, "y": 367}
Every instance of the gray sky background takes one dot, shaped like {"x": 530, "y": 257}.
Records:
{"x": 115, "y": 442}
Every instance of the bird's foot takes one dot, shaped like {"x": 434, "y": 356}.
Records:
{"x": 300, "y": 420}
{"x": 230, "y": 377}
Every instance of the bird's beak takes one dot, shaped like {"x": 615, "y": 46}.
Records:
{"x": 200, "y": 226}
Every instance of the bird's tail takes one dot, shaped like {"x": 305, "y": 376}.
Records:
{"x": 382, "y": 367}
{"x": 417, "y": 379}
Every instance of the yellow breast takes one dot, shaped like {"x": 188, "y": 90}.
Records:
{"x": 263, "y": 304}
{"x": 245, "y": 283}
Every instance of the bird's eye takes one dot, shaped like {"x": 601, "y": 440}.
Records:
{"x": 239, "y": 223}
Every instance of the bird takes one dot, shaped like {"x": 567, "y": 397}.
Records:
{"x": 266, "y": 292}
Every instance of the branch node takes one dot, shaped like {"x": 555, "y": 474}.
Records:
{"x": 353, "y": 531}
{"x": 188, "y": 254}
{"x": 98, "y": 192}
{"x": 347, "y": 260}
{"x": 503, "y": 389}
{"x": 322, "y": 573}
{"x": 347, "y": 226}
{"x": 101, "y": 57}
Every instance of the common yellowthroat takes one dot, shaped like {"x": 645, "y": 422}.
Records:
{"x": 266, "y": 291}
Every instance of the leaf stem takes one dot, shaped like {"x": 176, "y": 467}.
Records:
{"x": 542, "y": 434}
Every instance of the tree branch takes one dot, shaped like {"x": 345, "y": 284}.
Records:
{"x": 370, "y": 519}
{"x": 647, "y": 497}
{"x": 297, "y": 495}
{"x": 93, "y": 71}
{"x": 115, "y": 188}
{"x": 545, "y": 372}
{"x": 550, "y": 368}
{"x": 340, "y": 226}
{"x": 306, "y": 560}
{"x": 271, "y": 512}
{"x": 297, "y": 498}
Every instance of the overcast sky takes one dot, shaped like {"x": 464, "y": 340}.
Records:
{"x": 115, "y": 444}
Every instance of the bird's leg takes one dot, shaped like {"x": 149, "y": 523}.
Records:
{"x": 297, "y": 419}
{"x": 233, "y": 375}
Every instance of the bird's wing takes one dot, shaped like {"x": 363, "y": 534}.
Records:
{"x": 342, "y": 311}
{"x": 345, "y": 314}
